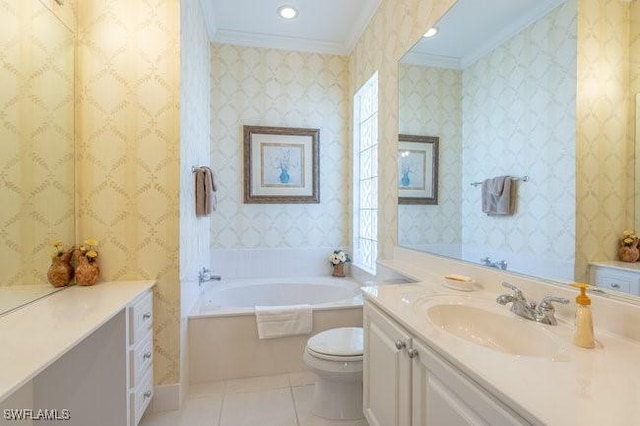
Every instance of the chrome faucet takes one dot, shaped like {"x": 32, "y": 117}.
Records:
{"x": 544, "y": 312}
{"x": 205, "y": 276}
{"x": 499, "y": 264}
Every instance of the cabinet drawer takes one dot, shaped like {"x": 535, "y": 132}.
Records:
{"x": 140, "y": 359}
{"x": 141, "y": 318}
{"x": 141, "y": 397}
{"x": 615, "y": 283}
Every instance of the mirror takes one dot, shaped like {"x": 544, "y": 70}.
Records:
{"x": 497, "y": 85}
{"x": 37, "y": 148}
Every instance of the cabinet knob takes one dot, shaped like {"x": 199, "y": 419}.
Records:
{"x": 615, "y": 285}
{"x": 147, "y": 355}
{"x": 400, "y": 344}
{"x": 147, "y": 394}
{"x": 146, "y": 315}
{"x": 412, "y": 353}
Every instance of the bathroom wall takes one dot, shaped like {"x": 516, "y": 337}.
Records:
{"x": 604, "y": 142}
{"x": 128, "y": 152}
{"x": 255, "y": 86}
{"x": 518, "y": 119}
{"x": 195, "y": 131}
{"x": 394, "y": 28}
{"x": 36, "y": 130}
{"x": 431, "y": 105}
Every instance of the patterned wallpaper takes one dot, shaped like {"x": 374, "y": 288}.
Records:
{"x": 254, "y": 86}
{"x": 518, "y": 119}
{"x": 430, "y": 105}
{"x": 36, "y": 134}
{"x": 394, "y": 28}
{"x": 603, "y": 135}
{"x": 128, "y": 152}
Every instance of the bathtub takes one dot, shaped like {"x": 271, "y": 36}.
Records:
{"x": 222, "y": 332}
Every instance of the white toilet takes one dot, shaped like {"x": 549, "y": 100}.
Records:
{"x": 336, "y": 357}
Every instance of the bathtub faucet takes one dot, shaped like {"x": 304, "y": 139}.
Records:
{"x": 499, "y": 264}
{"x": 205, "y": 276}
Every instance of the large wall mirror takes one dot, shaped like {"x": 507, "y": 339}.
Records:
{"x": 498, "y": 85}
{"x": 36, "y": 146}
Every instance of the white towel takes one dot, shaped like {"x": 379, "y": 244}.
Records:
{"x": 278, "y": 321}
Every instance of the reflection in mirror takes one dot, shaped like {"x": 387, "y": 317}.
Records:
{"x": 37, "y": 149}
{"x": 497, "y": 85}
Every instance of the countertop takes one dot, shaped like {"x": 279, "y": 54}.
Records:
{"x": 36, "y": 335}
{"x": 575, "y": 386}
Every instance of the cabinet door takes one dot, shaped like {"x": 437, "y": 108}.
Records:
{"x": 387, "y": 371}
{"x": 443, "y": 396}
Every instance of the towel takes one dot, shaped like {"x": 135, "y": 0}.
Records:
{"x": 278, "y": 321}
{"x": 498, "y": 196}
{"x": 206, "y": 201}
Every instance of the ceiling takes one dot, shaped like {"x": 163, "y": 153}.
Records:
{"x": 472, "y": 28}
{"x": 324, "y": 26}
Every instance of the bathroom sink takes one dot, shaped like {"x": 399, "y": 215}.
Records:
{"x": 479, "y": 323}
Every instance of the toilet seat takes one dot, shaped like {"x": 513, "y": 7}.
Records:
{"x": 339, "y": 344}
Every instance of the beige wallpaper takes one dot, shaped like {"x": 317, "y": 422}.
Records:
{"x": 128, "y": 152}
{"x": 431, "y": 105}
{"x": 393, "y": 30}
{"x": 266, "y": 87}
{"x": 603, "y": 140}
{"x": 37, "y": 142}
{"x": 518, "y": 117}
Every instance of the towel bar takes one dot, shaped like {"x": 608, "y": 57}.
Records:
{"x": 523, "y": 179}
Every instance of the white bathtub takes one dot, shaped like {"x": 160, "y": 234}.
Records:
{"x": 223, "y": 337}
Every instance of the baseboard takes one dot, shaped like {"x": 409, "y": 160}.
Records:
{"x": 166, "y": 397}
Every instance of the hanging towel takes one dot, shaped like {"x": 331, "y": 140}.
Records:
{"x": 278, "y": 321}
{"x": 498, "y": 196}
{"x": 206, "y": 200}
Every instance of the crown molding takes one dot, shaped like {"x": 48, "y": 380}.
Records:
{"x": 508, "y": 32}
{"x": 267, "y": 41}
{"x": 359, "y": 28}
{"x": 428, "y": 60}
{"x": 209, "y": 18}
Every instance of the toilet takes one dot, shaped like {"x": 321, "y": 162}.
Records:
{"x": 336, "y": 357}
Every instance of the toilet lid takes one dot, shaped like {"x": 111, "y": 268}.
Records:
{"x": 346, "y": 341}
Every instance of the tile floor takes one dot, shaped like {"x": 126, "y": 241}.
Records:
{"x": 283, "y": 400}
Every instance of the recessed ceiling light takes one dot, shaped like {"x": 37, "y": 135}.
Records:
{"x": 431, "y": 32}
{"x": 287, "y": 12}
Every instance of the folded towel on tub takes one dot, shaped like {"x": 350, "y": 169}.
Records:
{"x": 279, "y": 321}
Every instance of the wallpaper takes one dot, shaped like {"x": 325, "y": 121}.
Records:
{"x": 394, "y": 28}
{"x": 431, "y": 105}
{"x": 37, "y": 144}
{"x": 266, "y": 87}
{"x": 128, "y": 190}
{"x": 518, "y": 119}
{"x": 603, "y": 136}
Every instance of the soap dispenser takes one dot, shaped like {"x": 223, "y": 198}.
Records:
{"x": 584, "y": 321}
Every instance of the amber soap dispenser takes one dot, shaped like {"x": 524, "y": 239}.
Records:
{"x": 584, "y": 320}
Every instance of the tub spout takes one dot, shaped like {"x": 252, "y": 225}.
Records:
{"x": 205, "y": 276}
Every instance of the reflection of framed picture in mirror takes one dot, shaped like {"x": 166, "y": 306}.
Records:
{"x": 417, "y": 169}
{"x": 281, "y": 165}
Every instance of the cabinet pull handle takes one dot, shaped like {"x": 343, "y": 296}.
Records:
{"x": 413, "y": 353}
{"x": 147, "y": 394}
{"x": 146, "y": 315}
{"x": 400, "y": 344}
{"x": 147, "y": 355}
{"x": 615, "y": 285}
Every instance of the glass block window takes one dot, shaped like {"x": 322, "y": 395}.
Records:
{"x": 365, "y": 175}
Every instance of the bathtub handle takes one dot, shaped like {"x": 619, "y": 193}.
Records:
{"x": 400, "y": 344}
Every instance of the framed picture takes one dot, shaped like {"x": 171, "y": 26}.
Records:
{"x": 417, "y": 169}
{"x": 281, "y": 165}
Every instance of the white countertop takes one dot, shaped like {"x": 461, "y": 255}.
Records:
{"x": 36, "y": 335}
{"x": 576, "y": 386}
{"x": 618, "y": 264}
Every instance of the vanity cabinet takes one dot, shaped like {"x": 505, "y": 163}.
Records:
{"x": 140, "y": 355}
{"x": 617, "y": 276}
{"x": 407, "y": 383}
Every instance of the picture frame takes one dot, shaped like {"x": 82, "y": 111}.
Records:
{"x": 418, "y": 169}
{"x": 281, "y": 165}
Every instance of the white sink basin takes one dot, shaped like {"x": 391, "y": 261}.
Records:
{"x": 479, "y": 323}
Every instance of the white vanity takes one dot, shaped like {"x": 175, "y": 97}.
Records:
{"x": 85, "y": 352}
{"x": 436, "y": 356}
{"x": 616, "y": 275}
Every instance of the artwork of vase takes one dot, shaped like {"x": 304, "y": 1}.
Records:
{"x": 284, "y": 176}
{"x": 87, "y": 271}
{"x": 60, "y": 272}
{"x": 405, "y": 181}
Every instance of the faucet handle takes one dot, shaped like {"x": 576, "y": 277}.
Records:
{"x": 545, "y": 303}
{"x": 516, "y": 290}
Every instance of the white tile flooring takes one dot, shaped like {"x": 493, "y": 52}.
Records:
{"x": 283, "y": 400}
